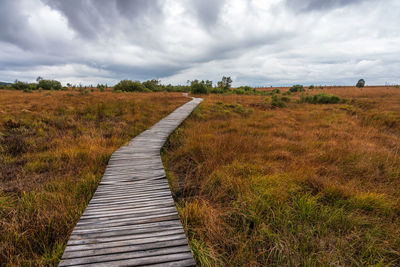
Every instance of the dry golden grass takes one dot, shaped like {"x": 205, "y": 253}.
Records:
{"x": 309, "y": 184}
{"x": 54, "y": 147}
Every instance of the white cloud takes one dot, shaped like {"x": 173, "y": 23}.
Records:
{"x": 278, "y": 42}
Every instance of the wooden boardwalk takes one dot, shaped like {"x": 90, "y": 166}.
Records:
{"x": 131, "y": 219}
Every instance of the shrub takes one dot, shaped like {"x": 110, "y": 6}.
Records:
{"x": 217, "y": 90}
{"x": 101, "y": 87}
{"x": 287, "y": 93}
{"x": 360, "y": 83}
{"x": 197, "y": 87}
{"x": 130, "y": 86}
{"x": 152, "y": 85}
{"x": 322, "y": 98}
{"x": 311, "y": 87}
{"x": 18, "y": 85}
{"x": 239, "y": 91}
{"x": 85, "y": 91}
{"x": 245, "y": 88}
{"x": 50, "y": 85}
{"x": 278, "y": 102}
{"x": 285, "y": 99}
{"x": 225, "y": 83}
{"x": 276, "y": 91}
{"x": 297, "y": 88}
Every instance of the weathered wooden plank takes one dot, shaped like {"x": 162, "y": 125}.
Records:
{"x": 130, "y": 230}
{"x": 142, "y": 218}
{"x": 131, "y": 205}
{"x": 142, "y": 226}
{"x": 141, "y": 187}
{"x": 165, "y": 260}
{"x": 137, "y": 195}
{"x": 178, "y": 263}
{"x": 129, "y": 248}
{"x": 100, "y": 210}
{"x": 137, "y": 213}
{"x": 128, "y": 255}
{"x": 87, "y": 240}
{"x": 132, "y": 219}
{"x": 131, "y": 201}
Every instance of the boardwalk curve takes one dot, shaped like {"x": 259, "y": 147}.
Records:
{"x": 132, "y": 219}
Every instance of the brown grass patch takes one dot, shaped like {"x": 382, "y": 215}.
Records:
{"x": 54, "y": 147}
{"x": 306, "y": 184}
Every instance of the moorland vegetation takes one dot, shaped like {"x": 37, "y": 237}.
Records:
{"x": 261, "y": 176}
{"x": 54, "y": 147}
{"x": 291, "y": 179}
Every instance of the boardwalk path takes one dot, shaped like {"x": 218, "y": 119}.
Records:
{"x": 132, "y": 219}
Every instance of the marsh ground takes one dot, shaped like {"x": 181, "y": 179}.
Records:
{"x": 301, "y": 185}
{"x": 258, "y": 180}
{"x": 54, "y": 147}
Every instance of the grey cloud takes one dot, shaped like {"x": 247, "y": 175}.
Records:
{"x": 311, "y": 5}
{"x": 207, "y": 11}
{"x": 102, "y": 18}
{"x": 17, "y": 31}
{"x": 139, "y": 8}
{"x": 143, "y": 72}
{"x": 14, "y": 25}
{"x": 85, "y": 17}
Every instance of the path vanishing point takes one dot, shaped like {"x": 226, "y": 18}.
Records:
{"x": 132, "y": 219}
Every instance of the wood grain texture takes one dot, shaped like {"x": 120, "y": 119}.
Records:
{"x": 131, "y": 219}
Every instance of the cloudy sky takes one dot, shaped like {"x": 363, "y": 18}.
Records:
{"x": 256, "y": 42}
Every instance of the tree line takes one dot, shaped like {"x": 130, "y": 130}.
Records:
{"x": 195, "y": 86}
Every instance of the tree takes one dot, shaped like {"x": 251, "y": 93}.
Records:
{"x": 197, "y": 87}
{"x": 130, "y": 86}
{"x": 18, "y": 85}
{"x": 297, "y": 88}
{"x": 38, "y": 79}
{"x": 360, "y": 83}
{"x": 153, "y": 85}
{"x": 49, "y": 85}
{"x": 225, "y": 83}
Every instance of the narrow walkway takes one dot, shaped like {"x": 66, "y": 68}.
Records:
{"x": 131, "y": 219}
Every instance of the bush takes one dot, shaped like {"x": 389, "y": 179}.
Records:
{"x": 311, "y": 87}
{"x": 49, "y": 85}
{"x": 360, "y": 83}
{"x": 101, "y": 87}
{"x": 130, "y": 86}
{"x": 225, "y": 83}
{"x": 217, "y": 90}
{"x": 297, "y": 88}
{"x": 278, "y": 102}
{"x": 152, "y": 85}
{"x": 322, "y": 98}
{"x": 245, "y": 88}
{"x": 197, "y": 87}
{"x": 240, "y": 91}
{"x": 287, "y": 93}
{"x": 18, "y": 85}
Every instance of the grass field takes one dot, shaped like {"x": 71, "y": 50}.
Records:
{"x": 277, "y": 181}
{"x": 54, "y": 147}
{"x": 285, "y": 179}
